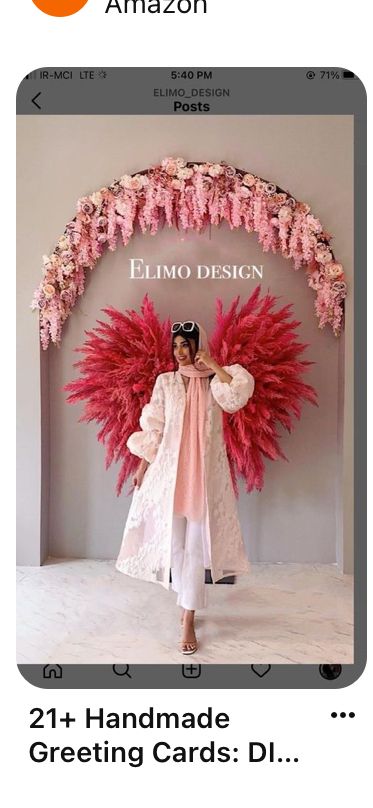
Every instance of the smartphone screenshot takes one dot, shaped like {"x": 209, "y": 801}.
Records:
{"x": 191, "y": 378}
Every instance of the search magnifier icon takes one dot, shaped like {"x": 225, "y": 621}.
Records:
{"x": 122, "y": 670}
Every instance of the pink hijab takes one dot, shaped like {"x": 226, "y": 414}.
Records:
{"x": 190, "y": 496}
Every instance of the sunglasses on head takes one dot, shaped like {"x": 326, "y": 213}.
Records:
{"x": 187, "y": 326}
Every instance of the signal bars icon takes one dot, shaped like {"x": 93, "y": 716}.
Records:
{"x": 33, "y": 75}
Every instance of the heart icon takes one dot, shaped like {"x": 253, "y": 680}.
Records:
{"x": 260, "y": 670}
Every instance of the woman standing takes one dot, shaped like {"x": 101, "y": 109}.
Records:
{"x": 183, "y": 514}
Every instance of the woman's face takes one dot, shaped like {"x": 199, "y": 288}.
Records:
{"x": 182, "y": 351}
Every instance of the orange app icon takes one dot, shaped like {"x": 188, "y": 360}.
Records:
{"x": 60, "y": 8}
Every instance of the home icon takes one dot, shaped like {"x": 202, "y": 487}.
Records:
{"x": 52, "y": 672}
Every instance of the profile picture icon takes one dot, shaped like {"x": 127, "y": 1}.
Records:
{"x": 60, "y": 8}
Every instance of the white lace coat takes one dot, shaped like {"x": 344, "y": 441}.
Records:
{"x": 146, "y": 547}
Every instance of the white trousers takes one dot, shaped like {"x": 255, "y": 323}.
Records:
{"x": 187, "y": 563}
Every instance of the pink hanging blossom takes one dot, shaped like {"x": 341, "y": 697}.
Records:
{"x": 188, "y": 196}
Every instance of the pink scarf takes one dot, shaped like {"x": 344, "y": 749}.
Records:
{"x": 190, "y": 497}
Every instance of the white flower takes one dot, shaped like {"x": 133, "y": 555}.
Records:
{"x": 125, "y": 181}
{"x": 96, "y": 198}
{"x": 249, "y": 180}
{"x": 185, "y": 173}
{"x": 63, "y": 243}
{"x": 215, "y": 170}
{"x": 201, "y": 169}
{"x": 68, "y": 268}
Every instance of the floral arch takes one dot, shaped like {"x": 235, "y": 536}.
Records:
{"x": 188, "y": 196}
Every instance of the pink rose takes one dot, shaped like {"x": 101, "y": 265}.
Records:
{"x": 303, "y": 207}
{"x": 136, "y": 183}
{"x": 323, "y": 255}
{"x": 49, "y": 290}
{"x": 176, "y": 184}
{"x": 85, "y": 206}
{"x": 244, "y": 192}
{"x": 102, "y": 221}
{"x": 334, "y": 271}
{"x": 170, "y": 166}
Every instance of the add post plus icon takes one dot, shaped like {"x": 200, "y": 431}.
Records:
{"x": 60, "y": 8}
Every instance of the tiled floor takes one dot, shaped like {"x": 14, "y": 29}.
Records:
{"x": 82, "y": 611}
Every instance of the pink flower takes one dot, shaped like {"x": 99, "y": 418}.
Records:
{"x": 102, "y": 221}
{"x": 303, "y": 207}
{"x": 322, "y": 254}
{"x": 176, "y": 184}
{"x": 134, "y": 183}
{"x": 170, "y": 166}
{"x": 68, "y": 269}
{"x": 314, "y": 224}
{"x": 249, "y": 180}
{"x": 285, "y": 215}
{"x": 67, "y": 255}
{"x": 244, "y": 192}
{"x": 49, "y": 290}
{"x": 85, "y": 206}
{"x": 333, "y": 271}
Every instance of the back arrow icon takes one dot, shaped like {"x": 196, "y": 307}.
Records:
{"x": 34, "y": 101}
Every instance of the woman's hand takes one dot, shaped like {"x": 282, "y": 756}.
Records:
{"x": 203, "y": 356}
{"x": 139, "y": 474}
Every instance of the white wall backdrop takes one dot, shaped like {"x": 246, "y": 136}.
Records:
{"x": 66, "y": 499}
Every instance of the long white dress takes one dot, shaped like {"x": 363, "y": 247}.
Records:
{"x": 147, "y": 539}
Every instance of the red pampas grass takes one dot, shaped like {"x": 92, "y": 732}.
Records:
{"x": 122, "y": 360}
{"x": 264, "y": 341}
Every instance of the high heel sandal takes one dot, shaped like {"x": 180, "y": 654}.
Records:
{"x": 184, "y": 643}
